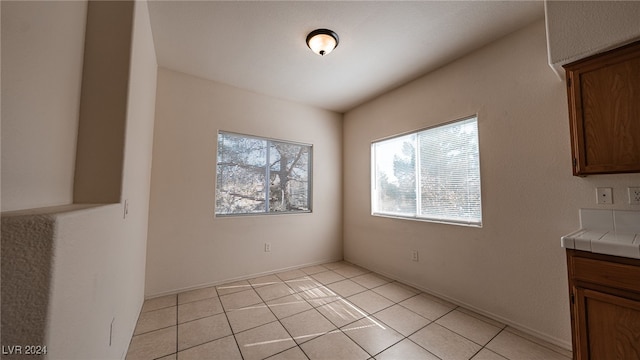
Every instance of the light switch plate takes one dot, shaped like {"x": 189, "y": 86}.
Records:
{"x": 604, "y": 196}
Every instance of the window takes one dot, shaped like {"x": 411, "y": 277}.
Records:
{"x": 261, "y": 176}
{"x": 432, "y": 174}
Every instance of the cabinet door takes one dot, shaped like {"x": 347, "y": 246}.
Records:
{"x": 610, "y": 324}
{"x": 604, "y": 111}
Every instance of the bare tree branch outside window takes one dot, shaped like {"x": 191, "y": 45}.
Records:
{"x": 256, "y": 175}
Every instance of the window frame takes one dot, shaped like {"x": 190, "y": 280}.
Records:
{"x": 269, "y": 141}
{"x": 416, "y": 216}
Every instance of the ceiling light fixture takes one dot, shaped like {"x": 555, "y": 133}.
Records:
{"x": 322, "y": 41}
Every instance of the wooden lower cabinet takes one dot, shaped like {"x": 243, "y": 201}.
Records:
{"x": 605, "y": 306}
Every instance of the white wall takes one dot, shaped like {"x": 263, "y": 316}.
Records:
{"x": 103, "y": 104}
{"x": 98, "y": 267}
{"x": 513, "y": 268}
{"x": 107, "y": 273}
{"x": 88, "y": 290}
{"x": 136, "y": 182}
{"x": 42, "y": 46}
{"x": 187, "y": 246}
{"x": 577, "y": 29}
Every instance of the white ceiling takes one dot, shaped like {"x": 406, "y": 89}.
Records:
{"x": 260, "y": 45}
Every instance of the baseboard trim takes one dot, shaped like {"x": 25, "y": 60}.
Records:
{"x": 239, "y": 278}
{"x": 554, "y": 344}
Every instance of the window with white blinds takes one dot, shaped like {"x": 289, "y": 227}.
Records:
{"x": 431, "y": 174}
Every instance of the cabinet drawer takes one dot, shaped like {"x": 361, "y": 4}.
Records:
{"x": 620, "y": 276}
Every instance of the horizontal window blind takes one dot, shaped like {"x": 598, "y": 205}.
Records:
{"x": 450, "y": 173}
{"x": 432, "y": 174}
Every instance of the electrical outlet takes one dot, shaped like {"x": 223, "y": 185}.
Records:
{"x": 126, "y": 209}
{"x": 414, "y": 255}
{"x": 604, "y": 196}
{"x": 267, "y": 247}
{"x": 634, "y": 196}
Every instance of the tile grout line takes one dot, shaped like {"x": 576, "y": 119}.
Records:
{"x": 407, "y": 336}
{"x": 202, "y": 317}
{"x": 320, "y": 284}
{"x": 538, "y": 342}
{"x": 274, "y": 315}
{"x": 495, "y": 336}
{"x": 337, "y": 329}
{"x": 364, "y": 312}
{"x": 226, "y": 316}
{"x": 177, "y": 327}
{"x": 224, "y": 311}
{"x": 285, "y": 328}
{"x": 462, "y": 336}
{"x": 154, "y": 330}
{"x": 368, "y": 314}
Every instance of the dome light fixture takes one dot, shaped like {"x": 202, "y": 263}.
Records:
{"x": 322, "y": 41}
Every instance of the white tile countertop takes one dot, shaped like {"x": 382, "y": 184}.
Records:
{"x": 611, "y": 232}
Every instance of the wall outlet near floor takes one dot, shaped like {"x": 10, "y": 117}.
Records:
{"x": 604, "y": 196}
{"x": 414, "y": 255}
{"x": 267, "y": 247}
{"x": 634, "y": 196}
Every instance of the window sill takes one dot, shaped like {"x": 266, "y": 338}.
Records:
{"x": 436, "y": 221}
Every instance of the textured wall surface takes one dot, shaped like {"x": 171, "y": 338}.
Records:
{"x": 28, "y": 247}
{"x": 577, "y": 29}
{"x": 27, "y": 243}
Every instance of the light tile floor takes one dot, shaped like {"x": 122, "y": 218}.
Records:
{"x": 332, "y": 311}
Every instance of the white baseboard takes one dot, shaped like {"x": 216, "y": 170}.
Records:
{"x": 552, "y": 343}
{"x": 239, "y": 278}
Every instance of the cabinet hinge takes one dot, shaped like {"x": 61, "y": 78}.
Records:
{"x": 573, "y": 299}
{"x": 568, "y": 82}
{"x": 575, "y": 162}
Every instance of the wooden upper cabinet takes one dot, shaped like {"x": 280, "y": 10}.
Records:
{"x": 604, "y": 111}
